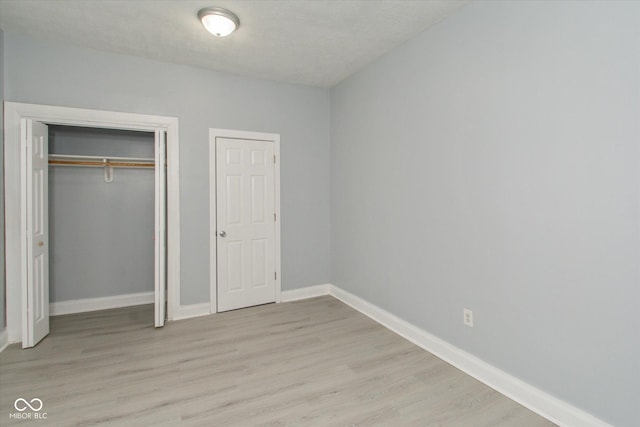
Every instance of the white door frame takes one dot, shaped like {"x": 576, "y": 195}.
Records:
{"x": 16, "y": 236}
{"x": 238, "y": 134}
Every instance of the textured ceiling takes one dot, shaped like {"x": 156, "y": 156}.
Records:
{"x": 311, "y": 42}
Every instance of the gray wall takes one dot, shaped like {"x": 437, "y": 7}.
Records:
{"x": 493, "y": 163}
{"x": 201, "y": 99}
{"x": 3, "y": 310}
{"x": 101, "y": 234}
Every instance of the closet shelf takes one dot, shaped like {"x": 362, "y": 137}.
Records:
{"x": 100, "y": 161}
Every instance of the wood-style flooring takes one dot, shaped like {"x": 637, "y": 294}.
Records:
{"x": 314, "y": 362}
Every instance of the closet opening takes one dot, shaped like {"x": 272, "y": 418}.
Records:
{"x": 114, "y": 147}
{"x": 101, "y": 201}
{"x": 100, "y": 233}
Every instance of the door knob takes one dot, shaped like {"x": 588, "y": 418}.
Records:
{"x": 223, "y": 234}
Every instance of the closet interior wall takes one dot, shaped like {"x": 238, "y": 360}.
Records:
{"x": 101, "y": 233}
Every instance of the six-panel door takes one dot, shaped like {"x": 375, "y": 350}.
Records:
{"x": 245, "y": 181}
{"x": 36, "y": 319}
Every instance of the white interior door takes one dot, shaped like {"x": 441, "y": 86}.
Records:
{"x": 36, "y": 315}
{"x": 160, "y": 274}
{"x": 245, "y": 222}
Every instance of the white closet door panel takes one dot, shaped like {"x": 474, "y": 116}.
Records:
{"x": 37, "y": 217}
{"x": 160, "y": 273}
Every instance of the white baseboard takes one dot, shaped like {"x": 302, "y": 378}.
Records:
{"x": 304, "y": 293}
{"x": 550, "y": 407}
{"x": 102, "y": 303}
{"x": 204, "y": 309}
{"x": 192, "y": 310}
{"x": 4, "y": 339}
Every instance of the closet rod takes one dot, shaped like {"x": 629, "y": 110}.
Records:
{"x": 56, "y": 162}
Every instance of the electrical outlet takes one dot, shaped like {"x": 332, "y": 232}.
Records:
{"x": 467, "y": 317}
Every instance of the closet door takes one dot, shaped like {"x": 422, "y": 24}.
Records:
{"x": 35, "y": 318}
{"x": 160, "y": 228}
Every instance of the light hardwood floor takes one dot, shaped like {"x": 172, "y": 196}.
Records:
{"x": 314, "y": 362}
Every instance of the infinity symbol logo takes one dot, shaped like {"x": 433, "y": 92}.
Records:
{"x": 21, "y": 404}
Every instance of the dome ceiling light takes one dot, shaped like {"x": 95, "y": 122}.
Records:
{"x": 218, "y": 21}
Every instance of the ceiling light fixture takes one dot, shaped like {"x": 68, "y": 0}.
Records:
{"x": 218, "y": 21}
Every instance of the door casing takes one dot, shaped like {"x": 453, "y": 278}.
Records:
{"x": 15, "y": 233}
{"x": 237, "y": 134}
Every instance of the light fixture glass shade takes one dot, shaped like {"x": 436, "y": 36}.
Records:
{"x": 219, "y": 22}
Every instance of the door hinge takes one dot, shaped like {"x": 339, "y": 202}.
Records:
{"x": 275, "y": 275}
{"x": 274, "y": 158}
{"x": 274, "y": 217}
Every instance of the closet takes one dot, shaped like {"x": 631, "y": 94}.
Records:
{"x": 101, "y": 217}
{"x": 115, "y": 146}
